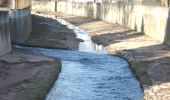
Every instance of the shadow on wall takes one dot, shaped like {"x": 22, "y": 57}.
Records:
{"x": 104, "y": 11}
{"x": 90, "y": 10}
{"x": 120, "y": 12}
{"x": 142, "y": 27}
{"x": 167, "y": 34}
{"x": 127, "y": 9}
{"x": 79, "y": 21}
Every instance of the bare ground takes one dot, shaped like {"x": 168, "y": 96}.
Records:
{"x": 26, "y": 76}
{"x": 49, "y": 33}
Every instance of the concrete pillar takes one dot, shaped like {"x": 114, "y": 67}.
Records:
{"x": 20, "y": 20}
{"x": 20, "y": 24}
{"x": 5, "y": 41}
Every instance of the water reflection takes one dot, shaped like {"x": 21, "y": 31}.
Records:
{"x": 87, "y": 45}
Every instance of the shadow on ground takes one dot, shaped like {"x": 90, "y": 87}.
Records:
{"x": 149, "y": 60}
{"x": 107, "y": 39}
{"x": 48, "y": 32}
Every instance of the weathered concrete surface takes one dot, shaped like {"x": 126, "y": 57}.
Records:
{"x": 150, "y": 20}
{"x": 5, "y": 41}
{"x": 15, "y": 4}
{"x": 148, "y": 57}
{"x": 20, "y": 18}
{"x": 153, "y": 21}
{"x": 20, "y": 24}
{"x": 26, "y": 76}
{"x": 85, "y": 9}
{"x": 44, "y": 5}
{"x": 46, "y": 33}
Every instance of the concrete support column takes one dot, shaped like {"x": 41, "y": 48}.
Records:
{"x": 20, "y": 24}
{"x": 5, "y": 41}
{"x": 20, "y": 20}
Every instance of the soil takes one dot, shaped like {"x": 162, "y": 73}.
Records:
{"x": 26, "y": 76}
{"x": 49, "y": 33}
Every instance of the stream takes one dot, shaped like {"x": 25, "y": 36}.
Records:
{"x": 90, "y": 73}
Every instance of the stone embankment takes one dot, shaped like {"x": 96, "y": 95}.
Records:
{"x": 148, "y": 57}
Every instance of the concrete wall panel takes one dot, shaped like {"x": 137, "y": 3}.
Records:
{"x": 43, "y": 5}
{"x": 20, "y": 24}
{"x": 5, "y": 42}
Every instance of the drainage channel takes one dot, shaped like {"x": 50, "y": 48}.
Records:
{"x": 90, "y": 73}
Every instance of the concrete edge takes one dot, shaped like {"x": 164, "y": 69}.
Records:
{"x": 4, "y": 9}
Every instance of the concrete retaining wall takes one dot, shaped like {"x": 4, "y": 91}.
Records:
{"x": 62, "y": 7}
{"x": 85, "y": 9}
{"x": 15, "y": 4}
{"x": 5, "y": 42}
{"x": 153, "y": 21}
{"x": 20, "y": 24}
{"x": 44, "y": 5}
{"x": 150, "y": 20}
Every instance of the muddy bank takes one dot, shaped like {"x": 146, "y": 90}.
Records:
{"x": 49, "y": 33}
{"x": 25, "y": 76}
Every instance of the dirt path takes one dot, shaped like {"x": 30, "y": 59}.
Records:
{"x": 149, "y": 58}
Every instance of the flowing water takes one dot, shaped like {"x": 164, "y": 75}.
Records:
{"x": 91, "y": 74}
